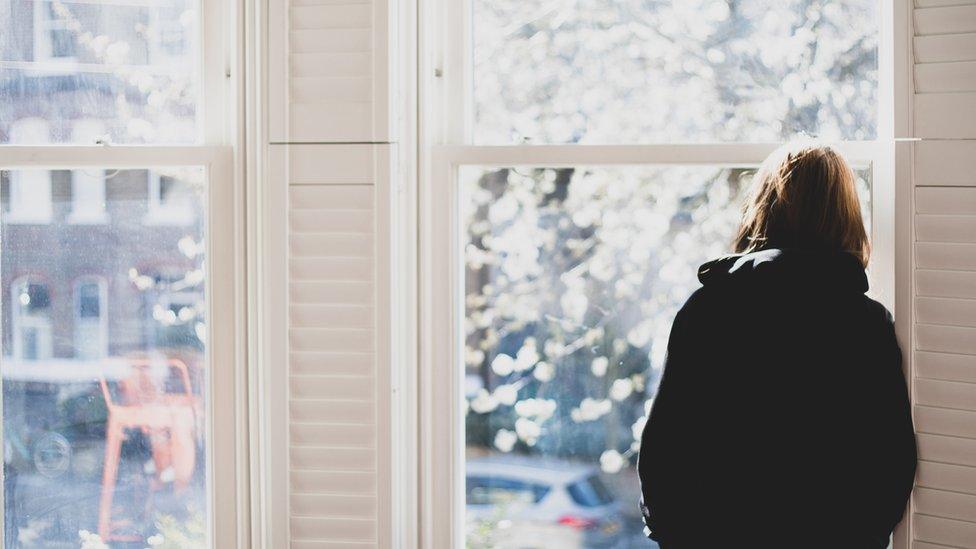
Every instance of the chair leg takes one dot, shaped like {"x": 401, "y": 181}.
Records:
{"x": 113, "y": 449}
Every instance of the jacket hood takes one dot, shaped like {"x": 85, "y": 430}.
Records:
{"x": 794, "y": 268}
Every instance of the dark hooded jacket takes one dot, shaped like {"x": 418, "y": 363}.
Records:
{"x": 782, "y": 418}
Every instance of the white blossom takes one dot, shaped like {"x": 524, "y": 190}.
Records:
{"x": 505, "y": 440}
{"x": 483, "y": 402}
{"x": 611, "y": 461}
{"x": 621, "y": 389}
{"x": 506, "y": 394}
{"x": 590, "y": 410}
{"x": 599, "y": 366}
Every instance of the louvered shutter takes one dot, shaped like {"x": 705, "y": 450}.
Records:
{"x": 327, "y": 273}
{"x": 944, "y": 509}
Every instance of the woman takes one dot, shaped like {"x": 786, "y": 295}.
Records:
{"x": 782, "y": 419}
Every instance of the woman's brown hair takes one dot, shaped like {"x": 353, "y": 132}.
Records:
{"x": 803, "y": 196}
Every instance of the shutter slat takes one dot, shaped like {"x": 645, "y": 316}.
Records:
{"x": 945, "y": 20}
{"x": 329, "y": 17}
{"x": 957, "y": 76}
{"x": 945, "y": 504}
{"x": 350, "y": 316}
{"x": 303, "y": 481}
{"x": 945, "y": 449}
{"x": 331, "y": 244}
{"x": 951, "y": 256}
{"x": 324, "y": 434}
{"x": 331, "y": 363}
{"x": 945, "y": 228}
{"x": 945, "y": 48}
{"x": 946, "y": 283}
{"x": 945, "y": 163}
{"x": 335, "y": 41}
{"x": 942, "y": 421}
{"x": 345, "y": 529}
{"x": 322, "y": 196}
{"x": 348, "y": 89}
{"x": 333, "y": 459}
{"x": 331, "y": 268}
{"x": 946, "y": 339}
{"x": 945, "y": 366}
{"x": 332, "y": 293}
{"x": 939, "y": 3}
{"x": 958, "y": 478}
{"x": 333, "y": 506}
{"x": 330, "y": 64}
{"x": 349, "y": 167}
{"x": 329, "y": 120}
{"x": 332, "y": 387}
{"x": 950, "y": 312}
{"x": 945, "y": 115}
{"x": 331, "y": 220}
{"x": 338, "y": 411}
{"x": 330, "y": 339}
{"x": 954, "y": 533}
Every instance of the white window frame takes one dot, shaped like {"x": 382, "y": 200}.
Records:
{"x": 90, "y": 211}
{"x": 218, "y": 119}
{"x": 445, "y": 146}
{"x": 102, "y": 285}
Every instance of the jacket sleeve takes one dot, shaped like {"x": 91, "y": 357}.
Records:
{"x": 891, "y": 436}
{"x": 660, "y": 456}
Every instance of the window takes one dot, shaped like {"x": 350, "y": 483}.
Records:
{"x": 91, "y": 319}
{"x": 120, "y": 365}
{"x": 592, "y": 155}
{"x": 53, "y": 38}
{"x": 30, "y": 319}
{"x": 170, "y": 200}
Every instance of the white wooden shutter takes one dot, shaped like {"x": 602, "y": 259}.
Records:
{"x": 944, "y": 343}
{"x": 331, "y": 437}
{"x": 327, "y": 270}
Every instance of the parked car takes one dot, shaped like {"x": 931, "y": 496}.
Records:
{"x": 522, "y": 502}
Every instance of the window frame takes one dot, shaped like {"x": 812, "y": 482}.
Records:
{"x": 446, "y": 144}
{"x": 218, "y": 115}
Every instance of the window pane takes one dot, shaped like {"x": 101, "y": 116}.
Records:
{"x": 572, "y": 278}
{"x": 78, "y": 72}
{"x": 104, "y": 370}
{"x": 610, "y": 71}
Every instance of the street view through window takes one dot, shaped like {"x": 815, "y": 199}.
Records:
{"x": 572, "y": 276}
{"x": 103, "y": 274}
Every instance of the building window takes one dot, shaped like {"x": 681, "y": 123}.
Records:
{"x": 170, "y": 200}
{"x": 30, "y": 318}
{"x": 53, "y": 38}
{"x": 91, "y": 319}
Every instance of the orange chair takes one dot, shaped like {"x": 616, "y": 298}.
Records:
{"x": 169, "y": 420}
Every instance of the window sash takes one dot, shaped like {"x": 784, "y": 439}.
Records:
{"x": 222, "y": 433}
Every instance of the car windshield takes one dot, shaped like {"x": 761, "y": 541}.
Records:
{"x": 590, "y": 492}
{"x": 496, "y": 491}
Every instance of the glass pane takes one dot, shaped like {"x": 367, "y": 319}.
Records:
{"x": 611, "y": 71}
{"x": 81, "y": 72}
{"x": 572, "y": 278}
{"x": 104, "y": 366}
